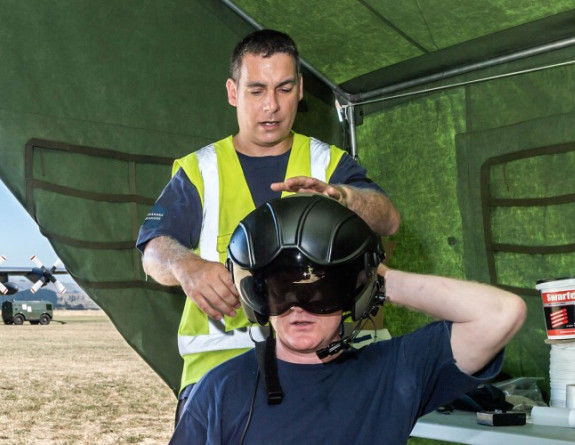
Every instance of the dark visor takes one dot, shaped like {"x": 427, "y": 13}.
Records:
{"x": 298, "y": 282}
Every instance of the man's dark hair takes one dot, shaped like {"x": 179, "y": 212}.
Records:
{"x": 265, "y": 43}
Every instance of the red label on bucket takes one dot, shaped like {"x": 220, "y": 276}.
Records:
{"x": 554, "y": 297}
{"x": 558, "y": 299}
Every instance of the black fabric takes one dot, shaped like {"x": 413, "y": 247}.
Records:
{"x": 485, "y": 398}
{"x": 182, "y": 399}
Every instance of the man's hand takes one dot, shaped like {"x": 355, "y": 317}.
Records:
{"x": 209, "y": 285}
{"x": 206, "y": 283}
{"x": 374, "y": 207}
{"x": 305, "y": 184}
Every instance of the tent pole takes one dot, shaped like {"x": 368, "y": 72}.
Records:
{"x": 350, "y": 117}
{"x": 360, "y": 97}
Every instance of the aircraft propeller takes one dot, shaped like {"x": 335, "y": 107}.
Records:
{"x": 46, "y": 275}
{"x": 3, "y": 289}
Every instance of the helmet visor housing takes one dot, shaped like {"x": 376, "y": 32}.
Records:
{"x": 293, "y": 280}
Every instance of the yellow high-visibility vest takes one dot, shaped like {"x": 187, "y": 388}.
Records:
{"x": 216, "y": 173}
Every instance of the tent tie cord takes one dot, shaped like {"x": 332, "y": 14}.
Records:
{"x": 111, "y": 285}
{"x": 40, "y": 144}
{"x": 33, "y": 184}
{"x": 93, "y": 196}
{"x": 489, "y": 203}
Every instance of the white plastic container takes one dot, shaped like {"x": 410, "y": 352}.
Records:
{"x": 542, "y": 415}
{"x": 558, "y": 298}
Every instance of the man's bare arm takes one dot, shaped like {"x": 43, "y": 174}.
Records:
{"x": 207, "y": 283}
{"x": 484, "y": 317}
{"x": 373, "y": 207}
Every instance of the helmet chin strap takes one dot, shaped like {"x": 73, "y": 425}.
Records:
{"x": 268, "y": 368}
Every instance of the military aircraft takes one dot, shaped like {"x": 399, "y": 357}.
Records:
{"x": 40, "y": 275}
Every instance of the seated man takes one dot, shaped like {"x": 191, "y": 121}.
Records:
{"x": 304, "y": 263}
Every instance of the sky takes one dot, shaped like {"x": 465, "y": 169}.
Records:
{"x": 20, "y": 237}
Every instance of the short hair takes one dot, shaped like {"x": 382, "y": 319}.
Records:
{"x": 265, "y": 43}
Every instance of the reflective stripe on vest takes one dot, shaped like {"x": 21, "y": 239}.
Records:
{"x": 218, "y": 338}
{"x": 320, "y": 155}
{"x": 208, "y": 165}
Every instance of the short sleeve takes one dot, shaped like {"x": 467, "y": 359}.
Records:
{"x": 349, "y": 172}
{"x": 440, "y": 379}
{"x": 177, "y": 213}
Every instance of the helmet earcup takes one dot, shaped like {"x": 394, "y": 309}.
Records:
{"x": 248, "y": 288}
{"x": 251, "y": 287}
{"x": 364, "y": 301}
{"x": 368, "y": 298}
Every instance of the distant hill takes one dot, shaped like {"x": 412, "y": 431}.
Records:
{"x": 73, "y": 298}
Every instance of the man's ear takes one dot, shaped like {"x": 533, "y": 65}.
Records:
{"x": 232, "y": 92}
{"x": 300, "y": 87}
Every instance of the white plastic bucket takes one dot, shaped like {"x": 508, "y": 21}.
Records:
{"x": 558, "y": 298}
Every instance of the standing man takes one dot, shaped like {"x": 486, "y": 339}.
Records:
{"x": 185, "y": 236}
{"x": 302, "y": 262}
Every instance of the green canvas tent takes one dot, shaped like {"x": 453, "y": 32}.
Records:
{"x": 462, "y": 110}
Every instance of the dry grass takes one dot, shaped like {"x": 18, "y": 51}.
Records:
{"x": 78, "y": 383}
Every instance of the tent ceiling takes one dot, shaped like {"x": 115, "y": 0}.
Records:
{"x": 365, "y": 45}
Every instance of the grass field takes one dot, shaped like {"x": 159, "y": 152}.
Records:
{"x": 78, "y": 383}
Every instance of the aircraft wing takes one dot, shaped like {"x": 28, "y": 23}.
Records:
{"x": 31, "y": 273}
{"x": 37, "y": 274}
{"x": 25, "y": 270}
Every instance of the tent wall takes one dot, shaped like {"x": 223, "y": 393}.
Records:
{"x": 429, "y": 151}
{"x": 97, "y": 99}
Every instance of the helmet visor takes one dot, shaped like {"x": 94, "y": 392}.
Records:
{"x": 295, "y": 281}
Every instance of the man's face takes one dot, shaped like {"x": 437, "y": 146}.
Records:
{"x": 300, "y": 333}
{"x": 266, "y": 96}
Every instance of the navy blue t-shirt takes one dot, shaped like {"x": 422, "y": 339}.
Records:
{"x": 372, "y": 395}
{"x": 178, "y": 212}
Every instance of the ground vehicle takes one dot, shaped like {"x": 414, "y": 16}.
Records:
{"x": 36, "y": 312}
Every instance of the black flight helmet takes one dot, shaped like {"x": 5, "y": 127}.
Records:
{"x": 304, "y": 250}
